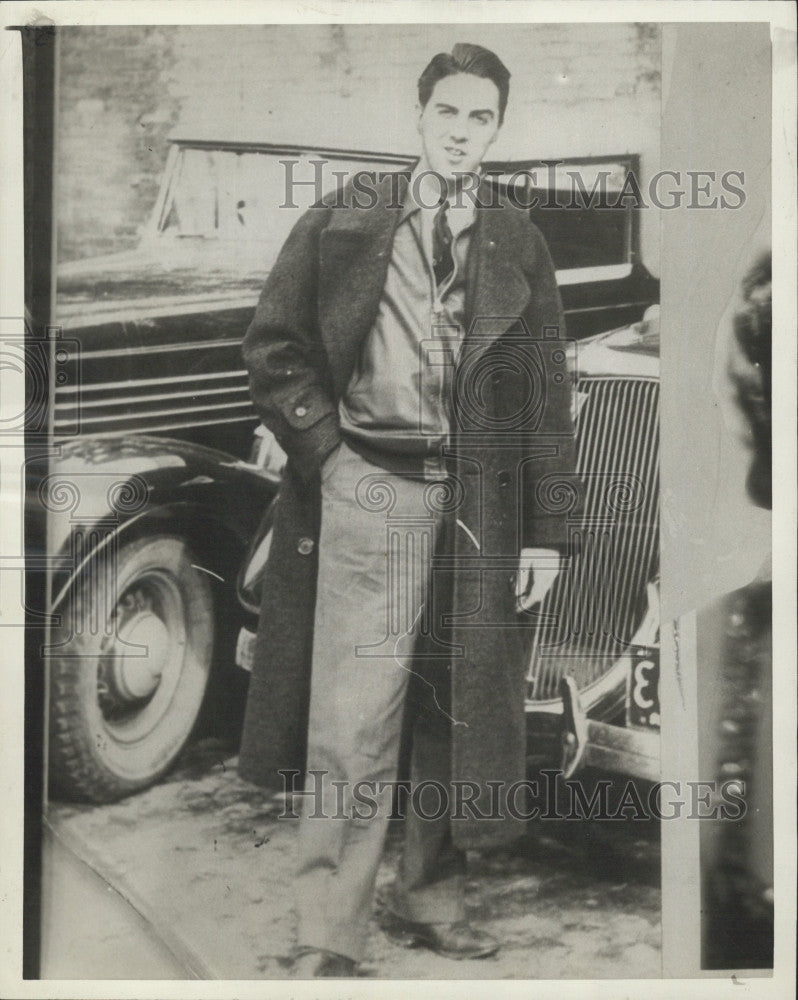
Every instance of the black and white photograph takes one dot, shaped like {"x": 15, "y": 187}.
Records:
{"x": 397, "y": 584}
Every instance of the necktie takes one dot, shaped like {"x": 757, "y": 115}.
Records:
{"x": 442, "y": 260}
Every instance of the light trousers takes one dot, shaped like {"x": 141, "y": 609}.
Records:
{"x": 378, "y": 536}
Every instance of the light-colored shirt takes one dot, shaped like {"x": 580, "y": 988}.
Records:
{"x": 398, "y": 401}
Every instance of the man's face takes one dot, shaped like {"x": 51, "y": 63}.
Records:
{"x": 458, "y": 123}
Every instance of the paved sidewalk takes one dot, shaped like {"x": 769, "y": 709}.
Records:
{"x": 204, "y": 860}
{"x": 88, "y": 925}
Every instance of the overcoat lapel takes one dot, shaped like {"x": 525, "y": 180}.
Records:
{"x": 498, "y": 289}
{"x": 354, "y": 253}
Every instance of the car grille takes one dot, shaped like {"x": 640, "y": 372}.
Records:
{"x": 597, "y": 603}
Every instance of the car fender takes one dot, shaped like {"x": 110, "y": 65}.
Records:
{"x": 99, "y": 488}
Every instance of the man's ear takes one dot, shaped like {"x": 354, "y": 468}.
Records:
{"x": 419, "y": 113}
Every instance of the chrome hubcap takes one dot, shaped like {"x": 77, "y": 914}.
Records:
{"x": 138, "y": 654}
{"x": 137, "y": 672}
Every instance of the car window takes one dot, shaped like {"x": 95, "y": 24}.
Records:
{"x": 217, "y": 193}
{"x": 249, "y": 194}
{"x": 578, "y": 209}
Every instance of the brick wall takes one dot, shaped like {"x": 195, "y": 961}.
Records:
{"x": 575, "y": 90}
{"x": 115, "y": 112}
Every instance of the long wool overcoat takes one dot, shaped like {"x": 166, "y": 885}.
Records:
{"x": 512, "y": 448}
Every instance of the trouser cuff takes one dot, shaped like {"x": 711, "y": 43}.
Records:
{"x": 439, "y": 903}
{"x": 350, "y": 945}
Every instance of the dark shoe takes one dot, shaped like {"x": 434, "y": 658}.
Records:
{"x": 458, "y": 940}
{"x": 314, "y": 963}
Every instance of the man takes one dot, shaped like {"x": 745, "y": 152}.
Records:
{"x": 406, "y": 353}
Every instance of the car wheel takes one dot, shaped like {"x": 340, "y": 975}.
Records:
{"x": 128, "y": 677}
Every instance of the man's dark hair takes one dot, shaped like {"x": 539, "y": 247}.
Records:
{"x": 752, "y": 329}
{"x": 466, "y": 58}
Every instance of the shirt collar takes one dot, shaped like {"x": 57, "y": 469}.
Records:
{"x": 424, "y": 191}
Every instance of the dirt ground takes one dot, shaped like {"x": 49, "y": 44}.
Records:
{"x": 207, "y": 868}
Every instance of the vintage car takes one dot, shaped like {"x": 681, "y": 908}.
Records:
{"x": 159, "y": 493}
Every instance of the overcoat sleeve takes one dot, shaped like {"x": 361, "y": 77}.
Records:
{"x": 289, "y": 377}
{"x": 546, "y": 507}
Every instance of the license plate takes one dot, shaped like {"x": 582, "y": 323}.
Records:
{"x": 642, "y": 701}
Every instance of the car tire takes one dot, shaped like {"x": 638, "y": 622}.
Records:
{"x": 129, "y": 666}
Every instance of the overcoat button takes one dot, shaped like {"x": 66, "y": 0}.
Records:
{"x": 301, "y": 411}
{"x": 504, "y": 478}
{"x": 305, "y": 546}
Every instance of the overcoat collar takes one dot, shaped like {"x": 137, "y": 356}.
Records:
{"x": 355, "y": 251}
